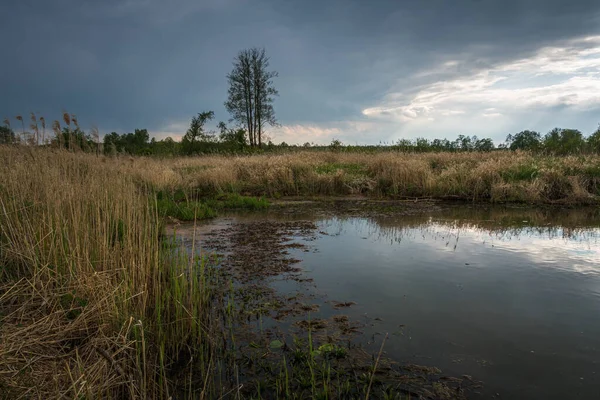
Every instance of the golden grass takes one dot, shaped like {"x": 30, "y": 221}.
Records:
{"x": 496, "y": 176}
{"x": 89, "y": 305}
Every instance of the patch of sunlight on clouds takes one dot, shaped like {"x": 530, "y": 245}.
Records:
{"x": 349, "y": 132}
{"x": 568, "y": 76}
{"x": 174, "y": 130}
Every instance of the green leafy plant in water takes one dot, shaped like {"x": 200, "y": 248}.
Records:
{"x": 330, "y": 350}
{"x": 184, "y": 211}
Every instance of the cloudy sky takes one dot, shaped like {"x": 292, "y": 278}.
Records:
{"x": 359, "y": 71}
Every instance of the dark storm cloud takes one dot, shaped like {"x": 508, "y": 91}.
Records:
{"x": 149, "y": 63}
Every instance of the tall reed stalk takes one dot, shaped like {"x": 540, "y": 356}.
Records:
{"x": 91, "y": 303}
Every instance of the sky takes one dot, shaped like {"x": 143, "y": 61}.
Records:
{"x": 363, "y": 72}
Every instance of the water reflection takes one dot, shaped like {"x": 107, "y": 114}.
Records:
{"x": 508, "y": 296}
{"x": 545, "y": 244}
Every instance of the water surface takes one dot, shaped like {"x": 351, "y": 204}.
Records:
{"x": 508, "y": 296}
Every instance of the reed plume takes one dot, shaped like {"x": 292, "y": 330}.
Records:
{"x": 67, "y": 119}
{"x": 57, "y": 132}
{"x": 75, "y": 122}
{"x": 20, "y": 118}
{"x": 43, "y": 122}
{"x": 96, "y": 136}
{"x": 35, "y": 140}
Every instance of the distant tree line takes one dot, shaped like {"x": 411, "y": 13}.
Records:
{"x": 235, "y": 140}
{"x": 558, "y": 142}
{"x": 197, "y": 140}
{"x": 462, "y": 143}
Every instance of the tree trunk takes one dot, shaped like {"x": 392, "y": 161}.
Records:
{"x": 249, "y": 106}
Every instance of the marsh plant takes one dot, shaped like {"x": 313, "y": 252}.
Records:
{"x": 92, "y": 304}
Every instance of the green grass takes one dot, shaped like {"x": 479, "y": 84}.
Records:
{"x": 586, "y": 171}
{"x": 179, "y": 206}
{"x": 523, "y": 172}
{"x": 184, "y": 211}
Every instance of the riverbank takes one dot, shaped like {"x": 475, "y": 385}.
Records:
{"x": 96, "y": 301}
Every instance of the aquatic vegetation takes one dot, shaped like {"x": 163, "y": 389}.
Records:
{"x": 185, "y": 210}
{"x": 181, "y": 207}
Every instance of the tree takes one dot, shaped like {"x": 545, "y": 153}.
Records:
{"x": 130, "y": 143}
{"x": 251, "y": 92}
{"x": 594, "y": 141}
{"x": 111, "y": 143}
{"x": 404, "y": 145}
{"x": 95, "y": 134}
{"x": 196, "y": 134}
{"x": 234, "y": 139}
{"x": 43, "y": 122}
{"x": 140, "y": 142}
{"x": 564, "y": 141}
{"x": 165, "y": 147}
{"x": 7, "y": 136}
{"x": 422, "y": 145}
{"x": 336, "y": 145}
{"x": 441, "y": 145}
{"x": 524, "y": 140}
{"x": 484, "y": 145}
{"x": 465, "y": 143}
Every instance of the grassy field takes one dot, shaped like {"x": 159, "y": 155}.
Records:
{"x": 502, "y": 176}
{"x": 95, "y": 303}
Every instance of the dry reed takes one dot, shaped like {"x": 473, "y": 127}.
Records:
{"x": 90, "y": 306}
{"x": 490, "y": 177}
